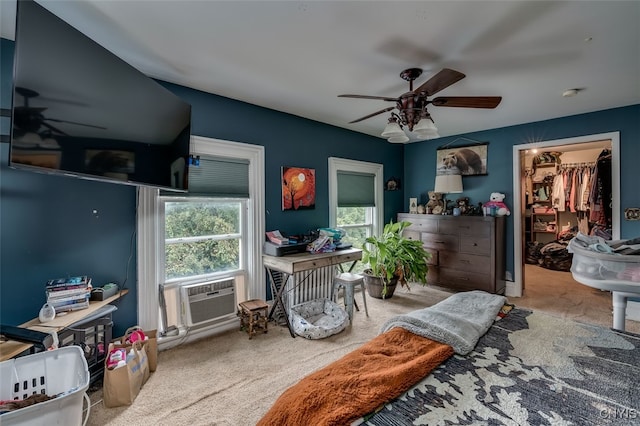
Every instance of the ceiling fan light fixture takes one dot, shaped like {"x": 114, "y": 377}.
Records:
{"x": 49, "y": 143}
{"x": 28, "y": 140}
{"x": 425, "y": 125}
{"x": 392, "y": 129}
{"x": 399, "y": 138}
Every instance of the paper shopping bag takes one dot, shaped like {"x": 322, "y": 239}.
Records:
{"x": 150, "y": 344}
{"x": 121, "y": 385}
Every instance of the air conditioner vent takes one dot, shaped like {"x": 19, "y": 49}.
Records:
{"x": 205, "y": 302}
{"x": 210, "y": 287}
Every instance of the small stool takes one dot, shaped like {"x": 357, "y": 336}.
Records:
{"x": 348, "y": 281}
{"x": 253, "y": 316}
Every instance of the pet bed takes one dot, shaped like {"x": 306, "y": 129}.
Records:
{"x": 318, "y": 319}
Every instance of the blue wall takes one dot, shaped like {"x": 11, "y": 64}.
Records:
{"x": 49, "y": 230}
{"x": 420, "y": 159}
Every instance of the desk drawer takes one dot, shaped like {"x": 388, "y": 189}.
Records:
{"x": 440, "y": 242}
{"x": 344, "y": 258}
{"x": 465, "y": 262}
{"x": 312, "y": 264}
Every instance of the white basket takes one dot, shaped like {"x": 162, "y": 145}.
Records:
{"x": 62, "y": 372}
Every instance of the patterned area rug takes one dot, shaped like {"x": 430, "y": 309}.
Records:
{"x": 530, "y": 369}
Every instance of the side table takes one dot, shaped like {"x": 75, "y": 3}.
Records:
{"x": 253, "y": 316}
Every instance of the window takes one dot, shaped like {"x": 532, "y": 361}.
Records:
{"x": 356, "y": 199}
{"x": 214, "y": 232}
{"x": 202, "y": 237}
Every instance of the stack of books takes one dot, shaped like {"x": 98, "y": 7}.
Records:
{"x": 69, "y": 294}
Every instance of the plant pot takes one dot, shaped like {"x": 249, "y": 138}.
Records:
{"x": 375, "y": 287}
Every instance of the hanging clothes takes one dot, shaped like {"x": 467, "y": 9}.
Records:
{"x": 558, "y": 197}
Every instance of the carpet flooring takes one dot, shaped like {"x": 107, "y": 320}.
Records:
{"x": 230, "y": 380}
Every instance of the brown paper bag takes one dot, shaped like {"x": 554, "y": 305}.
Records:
{"x": 122, "y": 385}
{"x": 151, "y": 344}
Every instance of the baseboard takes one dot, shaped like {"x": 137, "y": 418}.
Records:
{"x": 633, "y": 311}
{"x": 186, "y": 335}
{"x": 512, "y": 290}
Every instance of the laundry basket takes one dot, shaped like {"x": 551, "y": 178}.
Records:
{"x": 61, "y": 372}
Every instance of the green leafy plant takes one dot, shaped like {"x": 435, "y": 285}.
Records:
{"x": 392, "y": 256}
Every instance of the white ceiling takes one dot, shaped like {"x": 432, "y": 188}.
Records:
{"x": 297, "y": 56}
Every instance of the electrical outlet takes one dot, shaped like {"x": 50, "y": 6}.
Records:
{"x": 632, "y": 213}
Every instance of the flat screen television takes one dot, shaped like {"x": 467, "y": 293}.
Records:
{"x": 81, "y": 111}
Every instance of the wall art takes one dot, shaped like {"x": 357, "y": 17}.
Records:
{"x": 298, "y": 188}
{"x": 464, "y": 160}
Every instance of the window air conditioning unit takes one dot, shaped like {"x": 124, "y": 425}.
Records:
{"x": 208, "y": 301}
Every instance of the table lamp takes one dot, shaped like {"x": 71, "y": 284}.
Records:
{"x": 448, "y": 184}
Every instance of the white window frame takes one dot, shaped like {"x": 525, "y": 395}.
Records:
{"x": 342, "y": 164}
{"x": 150, "y": 240}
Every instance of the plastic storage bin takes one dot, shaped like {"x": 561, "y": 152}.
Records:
{"x": 62, "y": 372}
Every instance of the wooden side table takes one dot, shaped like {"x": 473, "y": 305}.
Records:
{"x": 253, "y": 316}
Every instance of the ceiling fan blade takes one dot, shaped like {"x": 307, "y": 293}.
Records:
{"x": 54, "y": 129}
{"x": 382, "y": 98}
{"x": 442, "y": 80}
{"x": 467, "y": 101}
{"x": 55, "y": 120}
{"x": 371, "y": 115}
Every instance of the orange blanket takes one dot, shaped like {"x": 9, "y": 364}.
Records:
{"x": 360, "y": 382}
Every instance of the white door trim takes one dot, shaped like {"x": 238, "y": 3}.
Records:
{"x": 514, "y": 289}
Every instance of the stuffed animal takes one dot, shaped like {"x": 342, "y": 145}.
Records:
{"x": 496, "y": 200}
{"x": 435, "y": 204}
{"x": 463, "y": 204}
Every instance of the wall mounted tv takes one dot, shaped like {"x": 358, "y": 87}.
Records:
{"x": 81, "y": 111}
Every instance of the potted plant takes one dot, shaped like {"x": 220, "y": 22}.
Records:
{"x": 392, "y": 259}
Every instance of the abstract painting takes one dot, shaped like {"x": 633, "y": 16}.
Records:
{"x": 298, "y": 188}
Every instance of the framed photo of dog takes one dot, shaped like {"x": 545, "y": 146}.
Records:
{"x": 465, "y": 160}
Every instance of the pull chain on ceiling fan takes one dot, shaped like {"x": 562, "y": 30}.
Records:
{"x": 412, "y": 106}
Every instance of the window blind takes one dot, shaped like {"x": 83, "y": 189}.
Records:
{"x": 218, "y": 177}
{"x": 356, "y": 189}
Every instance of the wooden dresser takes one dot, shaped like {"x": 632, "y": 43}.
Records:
{"x": 467, "y": 252}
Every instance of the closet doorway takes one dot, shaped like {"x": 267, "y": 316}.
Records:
{"x": 578, "y": 152}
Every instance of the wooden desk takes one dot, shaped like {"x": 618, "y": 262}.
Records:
{"x": 12, "y": 348}
{"x": 302, "y": 277}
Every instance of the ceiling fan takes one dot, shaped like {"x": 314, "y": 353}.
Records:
{"x": 412, "y": 105}
{"x": 31, "y": 119}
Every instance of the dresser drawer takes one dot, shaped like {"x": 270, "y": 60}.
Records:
{"x": 410, "y": 234}
{"x": 440, "y": 241}
{"x": 434, "y": 260}
{"x": 465, "y": 262}
{"x": 475, "y": 245}
{"x": 420, "y": 223}
{"x": 464, "y": 226}
{"x": 464, "y": 280}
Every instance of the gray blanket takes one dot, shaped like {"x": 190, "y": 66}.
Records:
{"x": 458, "y": 321}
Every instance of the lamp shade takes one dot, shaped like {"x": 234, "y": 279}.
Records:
{"x": 448, "y": 184}
{"x": 399, "y": 138}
